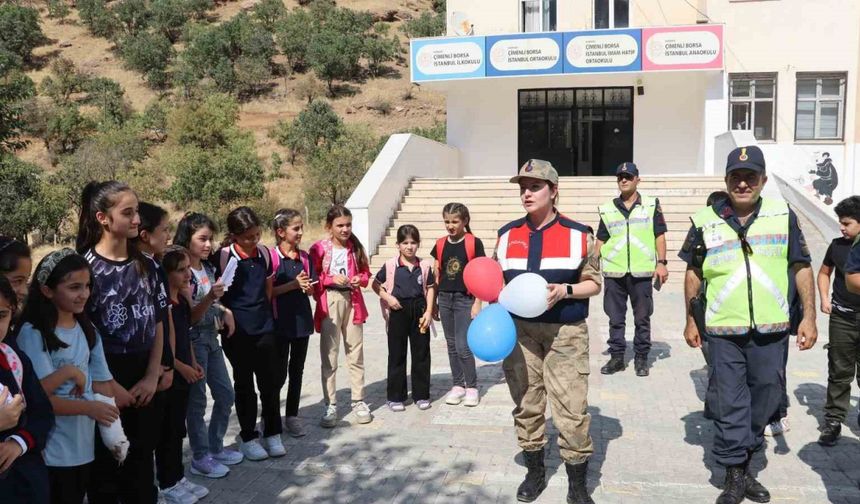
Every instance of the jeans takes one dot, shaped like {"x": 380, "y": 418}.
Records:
{"x": 455, "y": 310}
{"x": 210, "y": 356}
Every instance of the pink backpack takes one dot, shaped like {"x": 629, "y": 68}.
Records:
{"x": 390, "y": 267}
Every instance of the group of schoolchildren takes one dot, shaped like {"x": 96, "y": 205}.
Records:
{"x": 106, "y": 349}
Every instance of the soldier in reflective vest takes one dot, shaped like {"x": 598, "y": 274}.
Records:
{"x": 632, "y": 245}
{"x": 745, "y": 248}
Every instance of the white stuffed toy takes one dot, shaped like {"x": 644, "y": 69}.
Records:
{"x": 113, "y": 436}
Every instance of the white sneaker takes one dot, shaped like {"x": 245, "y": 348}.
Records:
{"x": 274, "y": 446}
{"x": 777, "y": 428}
{"x": 362, "y": 412}
{"x": 455, "y": 395}
{"x": 177, "y": 495}
{"x": 294, "y": 426}
{"x": 329, "y": 418}
{"x": 194, "y": 489}
{"x": 253, "y": 450}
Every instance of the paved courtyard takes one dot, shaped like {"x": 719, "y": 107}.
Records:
{"x": 652, "y": 444}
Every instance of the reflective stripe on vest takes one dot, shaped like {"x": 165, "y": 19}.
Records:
{"x": 746, "y": 291}
{"x": 631, "y": 247}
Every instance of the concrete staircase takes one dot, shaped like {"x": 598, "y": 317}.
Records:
{"x": 494, "y": 202}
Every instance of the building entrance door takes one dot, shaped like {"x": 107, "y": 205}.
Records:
{"x": 581, "y": 131}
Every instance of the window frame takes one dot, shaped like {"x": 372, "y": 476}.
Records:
{"x": 841, "y": 101}
{"x": 752, "y": 100}
{"x": 544, "y": 15}
{"x": 611, "y": 14}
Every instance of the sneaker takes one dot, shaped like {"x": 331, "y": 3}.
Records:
{"x": 274, "y": 446}
{"x": 423, "y": 404}
{"x": 208, "y": 467}
{"x": 177, "y": 495}
{"x": 777, "y": 428}
{"x": 329, "y": 418}
{"x": 253, "y": 450}
{"x": 228, "y": 457}
{"x": 362, "y": 412}
{"x": 472, "y": 397}
{"x": 396, "y": 407}
{"x": 294, "y": 426}
{"x": 455, "y": 396}
{"x": 194, "y": 489}
{"x": 830, "y": 433}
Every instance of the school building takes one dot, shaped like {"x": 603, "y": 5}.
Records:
{"x": 671, "y": 85}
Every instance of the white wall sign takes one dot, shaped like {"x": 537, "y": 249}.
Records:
{"x": 446, "y": 58}
{"x": 524, "y": 54}
{"x": 597, "y": 51}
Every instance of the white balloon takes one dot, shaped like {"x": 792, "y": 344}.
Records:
{"x": 525, "y": 295}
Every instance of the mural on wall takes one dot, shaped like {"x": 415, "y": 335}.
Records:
{"x": 827, "y": 178}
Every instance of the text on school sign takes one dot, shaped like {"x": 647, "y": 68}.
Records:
{"x": 698, "y": 47}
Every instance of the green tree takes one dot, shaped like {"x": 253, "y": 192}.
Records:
{"x": 337, "y": 43}
{"x": 206, "y": 123}
{"x": 426, "y": 25}
{"x": 309, "y": 88}
{"x": 20, "y": 32}
{"x": 66, "y": 128}
{"x": 283, "y": 134}
{"x": 379, "y": 48}
{"x": 109, "y": 97}
{"x": 291, "y": 35}
{"x": 336, "y": 169}
{"x": 315, "y": 126}
{"x": 15, "y": 87}
{"x": 252, "y": 74}
{"x": 198, "y": 8}
{"x": 64, "y": 81}
{"x": 101, "y": 21}
{"x": 20, "y": 184}
{"x": 134, "y": 15}
{"x": 58, "y": 9}
{"x": 169, "y": 17}
{"x": 150, "y": 54}
{"x": 269, "y": 12}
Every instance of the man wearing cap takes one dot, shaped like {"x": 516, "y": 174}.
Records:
{"x": 631, "y": 243}
{"x": 745, "y": 248}
{"x": 550, "y": 360}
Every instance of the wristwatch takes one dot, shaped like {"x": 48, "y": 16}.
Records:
{"x": 570, "y": 289}
{"x": 664, "y": 262}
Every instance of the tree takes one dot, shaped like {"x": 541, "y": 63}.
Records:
{"x": 379, "y": 48}
{"x": 269, "y": 12}
{"x": 64, "y": 81}
{"x": 198, "y": 8}
{"x": 309, "y": 88}
{"x": 315, "y": 126}
{"x": 252, "y": 73}
{"x": 150, "y": 54}
{"x": 19, "y": 196}
{"x": 133, "y": 15}
{"x": 426, "y": 25}
{"x": 283, "y": 133}
{"x": 15, "y": 87}
{"x": 65, "y": 129}
{"x": 337, "y": 43}
{"x": 101, "y": 21}
{"x": 20, "y": 32}
{"x": 58, "y": 9}
{"x": 291, "y": 35}
{"x": 109, "y": 97}
{"x": 336, "y": 169}
{"x": 169, "y": 16}
{"x": 206, "y": 123}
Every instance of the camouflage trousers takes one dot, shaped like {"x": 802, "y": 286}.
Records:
{"x": 551, "y": 360}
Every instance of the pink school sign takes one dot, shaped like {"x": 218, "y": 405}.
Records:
{"x": 697, "y": 47}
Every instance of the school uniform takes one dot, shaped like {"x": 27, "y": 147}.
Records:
{"x": 168, "y": 454}
{"x": 409, "y": 286}
{"x": 294, "y": 323}
{"x": 26, "y": 481}
{"x": 254, "y": 350}
{"x": 69, "y": 451}
{"x": 123, "y": 307}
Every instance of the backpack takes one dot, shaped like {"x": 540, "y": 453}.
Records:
{"x": 276, "y": 263}
{"x": 440, "y": 247}
{"x": 390, "y": 268}
{"x": 262, "y": 250}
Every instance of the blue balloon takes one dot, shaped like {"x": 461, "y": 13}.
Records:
{"x": 492, "y": 335}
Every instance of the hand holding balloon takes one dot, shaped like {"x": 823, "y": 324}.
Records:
{"x": 525, "y": 296}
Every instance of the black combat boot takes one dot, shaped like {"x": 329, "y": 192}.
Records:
{"x": 735, "y": 485}
{"x": 754, "y": 491}
{"x": 577, "y": 493}
{"x": 640, "y": 364}
{"x": 535, "y": 481}
{"x": 830, "y": 433}
{"x": 615, "y": 364}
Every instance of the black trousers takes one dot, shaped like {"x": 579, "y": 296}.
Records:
{"x": 26, "y": 482}
{"x": 843, "y": 359}
{"x": 403, "y": 331}
{"x": 134, "y": 481}
{"x": 296, "y": 352}
{"x": 69, "y": 484}
{"x": 168, "y": 453}
{"x": 260, "y": 357}
{"x": 745, "y": 389}
{"x": 615, "y": 294}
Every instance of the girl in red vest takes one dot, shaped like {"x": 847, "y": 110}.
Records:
{"x": 407, "y": 289}
{"x": 457, "y": 307}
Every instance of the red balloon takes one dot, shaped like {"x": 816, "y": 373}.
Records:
{"x": 483, "y": 277}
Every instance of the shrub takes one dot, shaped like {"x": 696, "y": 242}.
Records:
{"x": 109, "y": 97}
{"x": 133, "y": 15}
{"x": 337, "y": 43}
{"x": 15, "y": 88}
{"x": 64, "y": 81}
{"x": 291, "y": 35}
{"x": 269, "y": 12}
{"x": 426, "y": 25}
{"x": 315, "y": 126}
{"x": 65, "y": 129}
{"x": 169, "y": 16}
{"x": 206, "y": 123}
{"x": 20, "y": 32}
{"x": 58, "y": 9}
{"x": 149, "y": 54}
{"x": 379, "y": 48}
{"x": 309, "y": 88}
{"x": 19, "y": 196}
{"x": 101, "y": 21}
{"x": 335, "y": 170}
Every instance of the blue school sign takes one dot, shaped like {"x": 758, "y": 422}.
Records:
{"x": 525, "y": 54}
{"x": 603, "y": 51}
{"x": 448, "y": 58}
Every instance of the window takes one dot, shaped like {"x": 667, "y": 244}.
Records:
{"x": 752, "y": 104}
{"x": 611, "y": 14}
{"x": 820, "y": 107}
{"x": 537, "y": 15}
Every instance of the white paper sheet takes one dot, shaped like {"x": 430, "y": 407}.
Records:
{"x": 229, "y": 273}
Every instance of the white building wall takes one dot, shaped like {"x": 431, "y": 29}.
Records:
{"x": 668, "y": 121}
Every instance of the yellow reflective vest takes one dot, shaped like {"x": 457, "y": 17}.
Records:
{"x": 746, "y": 274}
{"x": 631, "y": 247}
